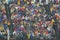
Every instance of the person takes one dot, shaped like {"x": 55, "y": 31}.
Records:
{"x": 56, "y": 29}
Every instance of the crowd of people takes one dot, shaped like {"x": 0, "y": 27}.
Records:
{"x": 31, "y": 20}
